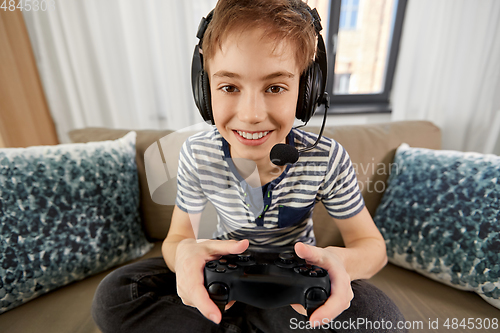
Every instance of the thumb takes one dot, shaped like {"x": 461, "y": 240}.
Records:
{"x": 218, "y": 247}
{"x": 308, "y": 253}
{"x": 239, "y": 246}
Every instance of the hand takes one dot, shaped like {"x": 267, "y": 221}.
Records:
{"x": 190, "y": 259}
{"x": 341, "y": 292}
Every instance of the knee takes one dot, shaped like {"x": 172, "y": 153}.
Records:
{"x": 372, "y": 306}
{"x": 111, "y": 292}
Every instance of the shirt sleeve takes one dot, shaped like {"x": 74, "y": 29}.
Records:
{"x": 340, "y": 191}
{"x": 190, "y": 196}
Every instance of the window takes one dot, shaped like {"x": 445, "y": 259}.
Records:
{"x": 362, "y": 38}
{"x": 341, "y": 83}
{"x": 348, "y": 14}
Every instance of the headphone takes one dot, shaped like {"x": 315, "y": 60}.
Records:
{"x": 311, "y": 87}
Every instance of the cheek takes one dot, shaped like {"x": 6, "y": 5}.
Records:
{"x": 291, "y": 107}
{"x": 221, "y": 111}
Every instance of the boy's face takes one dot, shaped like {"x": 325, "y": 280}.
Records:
{"x": 254, "y": 85}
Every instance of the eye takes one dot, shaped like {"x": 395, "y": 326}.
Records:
{"x": 275, "y": 90}
{"x": 229, "y": 89}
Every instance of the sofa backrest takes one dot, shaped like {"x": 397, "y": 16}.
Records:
{"x": 371, "y": 148}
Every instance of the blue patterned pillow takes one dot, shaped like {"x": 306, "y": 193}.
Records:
{"x": 66, "y": 212}
{"x": 440, "y": 217}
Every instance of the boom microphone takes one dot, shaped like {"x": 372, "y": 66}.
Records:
{"x": 282, "y": 154}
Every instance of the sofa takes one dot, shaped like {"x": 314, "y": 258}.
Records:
{"x": 425, "y": 303}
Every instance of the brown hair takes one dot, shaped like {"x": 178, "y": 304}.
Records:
{"x": 281, "y": 20}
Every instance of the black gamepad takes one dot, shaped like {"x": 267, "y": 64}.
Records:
{"x": 266, "y": 279}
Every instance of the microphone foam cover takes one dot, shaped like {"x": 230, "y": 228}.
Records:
{"x": 282, "y": 154}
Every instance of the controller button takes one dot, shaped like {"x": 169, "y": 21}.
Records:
{"x": 220, "y": 270}
{"x": 320, "y": 271}
{"x": 211, "y": 264}
{"x": 313, "y": 273}
{"x": 232, "y": 266}
{"x": 304, "y": 269}
{"x": 222, "y": 261}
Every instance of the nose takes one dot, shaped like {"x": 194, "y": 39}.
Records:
{"x": 252, "y": 107}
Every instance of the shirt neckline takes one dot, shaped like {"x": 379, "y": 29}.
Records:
{"x": 270, "y": 185}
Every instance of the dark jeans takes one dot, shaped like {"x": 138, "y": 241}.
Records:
{"x": 142, "y": 297}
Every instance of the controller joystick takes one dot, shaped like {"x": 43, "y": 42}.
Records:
{"x": 315, "y": 297}
{"x": 219, "y": 293}
{"x": 266, "y": 280}
{"x": 286, "y": 257}
{"x": 245, "y": 256}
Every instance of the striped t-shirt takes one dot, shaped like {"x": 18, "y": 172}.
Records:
{"x": 280, "y": 213}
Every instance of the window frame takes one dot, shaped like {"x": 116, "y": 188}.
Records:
{"x": 362, "y": 103}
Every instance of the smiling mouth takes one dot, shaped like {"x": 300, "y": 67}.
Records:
{"x": 252, "y": 136}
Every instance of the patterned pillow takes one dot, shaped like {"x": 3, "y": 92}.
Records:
{"x": 440, "y": 217}
{"x": 66, "y": 212}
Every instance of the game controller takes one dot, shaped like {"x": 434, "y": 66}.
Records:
{"x": 266, "y": 279}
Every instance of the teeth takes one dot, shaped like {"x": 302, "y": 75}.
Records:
{"x": 253, "y": 136}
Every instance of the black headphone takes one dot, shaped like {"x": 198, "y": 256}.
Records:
{"x": 311, "y": 87}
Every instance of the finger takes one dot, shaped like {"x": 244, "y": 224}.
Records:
{"x": 311, "y": 254}
{"x": 197, "y": 295}
{"x": 201, "y": 300}
{"x": 334, "y": 305}
{"x": 230, "y": 304}
{"x": 299, "y": 308}
{"x": 226, "y": 247}
{"x": 328, "y": 311}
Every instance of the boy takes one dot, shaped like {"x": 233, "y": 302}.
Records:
{"x": 254, "y": 54}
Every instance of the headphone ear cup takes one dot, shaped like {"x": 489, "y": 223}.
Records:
{"x": 309, "y": 92}
{"x": 202, "y": 96}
